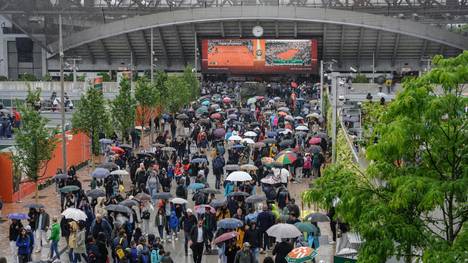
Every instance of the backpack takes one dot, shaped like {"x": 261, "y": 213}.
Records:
{"x": 155, "y": 257}
{"x": 316, "y": 160}
{"x": 173, "y": 221}
{"x": 119, "y": 251}
{"x": 92, "y": 257}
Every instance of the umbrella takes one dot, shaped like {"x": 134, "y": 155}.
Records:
{"x": 117, "y": 150}
{"x": 109, "y": 166}
{"x": 299, "y": 118}
{"x": 229, "y": 223}
{"x": 204, "y": 121}
{"x": 259, "y": 145}
{"x": 232, "y": 167}
{"x": 254, "y": 124}
{"x": 315, "y": 140}
{"x": 201, "y": 209}
{"x": 119, "y": 172}
{"x": 301, "y": 254}
{"x": 226, "y": 100}
{"x": 315, "y": 149}
{"x": 235, "y": 138}
{"x": 285, "y": 143}
{"x": 248, "y": 141}
{"x": 285, "y": 131}
{"x": 239, "y": 176}
{"x": 244, "y": 194}
{"x": 232, "y": 116}
{"x": 206, "y": 103}
{"x": 286, "y": 158}
{"x": 168, "y": 149}
{"x": 317, "y": 217}
{"x": 283, "y": 231}
{"x": 269, "y": 141}
{"x": 75, "y": 214}
{"x": 35, "y": 206}
{"x": 248, "y": 167}
{"x": 199, "y": 160}
{"x": 250, "y": 134}
{"x": 118, "y": 208}
{"x": 143, "y": 197}
{"x": 125, "y": 146}
{"x": 216, "y": 116}
{"x": 225, "y": 237}
{"x": 210, "y": 191}
{"x": 306, "y": 227}
{"x": 301, "y": 134}
{"x": 289, "y": 118}
{"x": 158, "y": 145}
{"x": 202, "y": 110}
{"x": 69, "y": 189}
{"x": 195, "y": 186}
{"x": 105, "y": 141}
{"x": 5, "y": 111}
{"x": 285, "y": 109}
{"x": 251, "y": 100}
{"x": 62, "y": 176}
{"x": 238, "y": 146}
{"x": 270, "y": 180}
{"x": 321, "y": 135}
{"x": 182, "y": 116}
{"x": 244, "y": 110}
{"x": 129, "y": 203}
{"x": 179, "y": 201}
{"x": 302, "y": 128}
{"x": 313, "y": 115}
{"x": 217, "y": 203}
{"x": 95, "y": 193}
{"x": 18, "y": 216}
{"x": 100, "y": 173}
{"x": 255, "y": 199}
{"x": 220, "y": 132}
{"x": 267, "y": 160}
{"x": 163, "y": 195}
{"x": 271, "y": 134}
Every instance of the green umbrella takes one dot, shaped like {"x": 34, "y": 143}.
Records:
{"x": 306, "y": 227}
{"x": 301, "y": 254}
{"x": 69, "y": 189}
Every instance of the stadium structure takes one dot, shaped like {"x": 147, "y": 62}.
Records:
{"x": 384, "y": 35}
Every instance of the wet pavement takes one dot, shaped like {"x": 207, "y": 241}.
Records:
{"x": 51, "y": 200}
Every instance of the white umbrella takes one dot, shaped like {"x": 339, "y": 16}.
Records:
{"x": 286, "y": 131}
{"x": 119, "y": 172}
{"x": 284, "y": 231}
{"x": 248, "y": 141}
{"x": 250, "y": 134}
{"x": 239, "y": 176}
{"x": 346, "y": 251}
{"x": 235, "y": 138}
{"x": 75, "y": 214}
{"x": 179, "y": 201}
{"x": 302, "y": 128}
{"x": 251, "y": 101}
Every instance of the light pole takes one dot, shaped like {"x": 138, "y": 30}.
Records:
{"x": 373, "y": 66}
{"x": 74, "y": 68}
{"x": 335, "y": 99}
{"x": 151, "y": 56}
{"x": 62, "y": 98}
{"x": 330, "y": 67}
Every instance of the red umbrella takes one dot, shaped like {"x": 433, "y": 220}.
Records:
{"x": 293, "y": 85}
{"x": 315, "y": 140}
{"x": 226, "y": 236}
{"x": 117, "y": 150}
{"x": 201, "y": 209}
{"x": 227, "y": 100}
{"x": 216, "y": 116}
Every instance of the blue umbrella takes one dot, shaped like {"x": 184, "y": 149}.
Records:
{"x": 61, "y": 176}
{"x": 100, "y": 173}
{"x": 206, "y": 103}
{"x": 199, "y": 160}
{"x": 18, "y": 216}
{"x": 238, "y": 146}
{"x": 195, "y": 186}
{"x": 271, "y": 134}
{"x": 230, "y": 223}
{"x": 105, "y": 141}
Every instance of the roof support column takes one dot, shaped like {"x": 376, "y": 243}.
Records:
{"x": 361, "y": 36}
{"x": 105, "y": 51}
{"x": 163, "y": 45}
{"x": 340, "y": 62}
{"x": 130, "y": 47}
{"x": 395, "y": 48}
{"x": 179, "y": 42}
{"x": 377, "y": 47}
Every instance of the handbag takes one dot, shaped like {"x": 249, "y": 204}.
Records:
{"x": 145, "y": 215}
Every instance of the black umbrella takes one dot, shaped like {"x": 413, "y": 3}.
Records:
{"x": 129, "y": 203}
{"x": 315, "y": 149}
{"x": 35, "y": 206}
{"x": 255, "y": 199}
{"x": 238, "y": 194}
{"x": 285, "y": 143}
{"x": 182, "y": 116}
{"x": 62, "y": 176}
{"x": 118, "y": 208}
{"x": 232, "y": 167}
{"x": 269, "y": 140}
{"x": 95, "y": 193}
{"x": 163, "y": 195}
{"x": 109, "y": 166}
{"x": 218, "y": 203}
{"x": 143, "y": 197}
{"x": 210, "y": 191}
{"x": 317, "y": 217}
{"x": 143, "y": 155}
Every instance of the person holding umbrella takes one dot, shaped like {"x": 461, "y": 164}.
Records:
{"x": 15, "y": 230}
{"x": 281, "y": 250}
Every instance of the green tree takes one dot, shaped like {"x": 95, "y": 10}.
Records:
{"x": 91, "y": 117}
{"x": 105, "y": 76}
{"x": 34, "y": 143}
{"x": 360, "y": 78}
{"x": 411, "y": 202}
{"x": 178, "y": 93}
{"x": 147, "y": 98}
{"x": 123, "y": 109}
{"x": 191, "y": 79}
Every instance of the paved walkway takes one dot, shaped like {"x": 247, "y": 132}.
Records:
{"x": 51, "y": 200}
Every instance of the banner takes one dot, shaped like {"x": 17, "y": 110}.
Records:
{"x": 257, "y": 56}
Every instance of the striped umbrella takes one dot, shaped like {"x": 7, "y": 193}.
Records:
{"x": 301, "y": 254}
{"x": 286, "y": 158}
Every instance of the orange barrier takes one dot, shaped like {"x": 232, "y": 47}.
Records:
{"x": 78, "y": 152}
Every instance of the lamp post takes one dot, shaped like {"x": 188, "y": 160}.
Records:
{"x": 152, "y": 56}
{"x": 330, "y": 67}
{"x": 335, "y": 99}
{"x": 62, "y": 97}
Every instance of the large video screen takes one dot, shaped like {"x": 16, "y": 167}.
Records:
{"x": 259, "y": 55}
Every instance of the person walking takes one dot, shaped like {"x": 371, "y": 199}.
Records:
{"x": 160, "y": 222}
{"x": 198, "y": 236}
{"x": 253, "y": 236}
{"x": 265, "y": 220}
{"x": 80, "y": 249}
{"x": 15, "y": 230}
{"x": 245, "y": 255}
{"x": 187, "y": 222}
{"x": 54, "y": 238}
{"x": 23, "y": 242}
{"x": 281, "y": 250}
{"x": 72, "y": 241}
{"x": 41, "y": 227}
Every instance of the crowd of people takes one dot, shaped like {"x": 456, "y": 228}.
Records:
{"x": 141, "y": 196}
